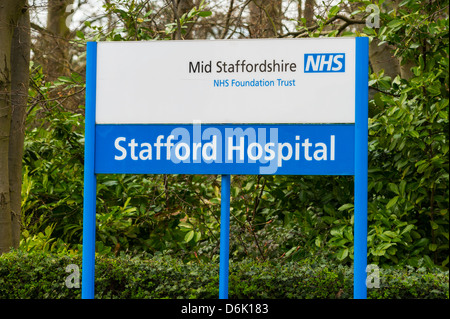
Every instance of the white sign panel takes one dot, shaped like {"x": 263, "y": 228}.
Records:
{"x": 226, "y": 81}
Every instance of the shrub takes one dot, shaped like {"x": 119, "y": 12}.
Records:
{"x": 38, "y": 275}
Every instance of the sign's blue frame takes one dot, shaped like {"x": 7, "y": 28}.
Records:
{"x": 352, "y": 144}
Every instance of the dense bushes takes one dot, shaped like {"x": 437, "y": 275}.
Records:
{"x": 42, "y": 275}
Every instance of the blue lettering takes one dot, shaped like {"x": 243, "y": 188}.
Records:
{"x": 221, "y": 83}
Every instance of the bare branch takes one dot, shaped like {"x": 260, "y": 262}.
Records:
{"x": 347, "y": 22}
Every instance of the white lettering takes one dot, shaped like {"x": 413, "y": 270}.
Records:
{"x": 306, "y": 144}
{"x": 311, "y": 63}
{"x": 158, "y": 145}
{"x": 147, "y": 151}
{"x": 259, "y": 151}
{"x": 198, "y": 309}
{"x": 323, "y": 151}
{"x": 282, "y": 158}
{"x": 197, "y": 146}
{"x": 297, "y": 148}
{"x": 239, "y": 148}
{"x": 270, "y": 151}
{"x": 186, "y": 151}
{"x": 332, "y": 147}
{"x": 132, "y": 145}
{"x": 337, "y": 62}
{"x": 120, "y": 148}
{"x": 169, "y": 145}
{"x": 326, "y": 62}
{"x": 213, "y": 147}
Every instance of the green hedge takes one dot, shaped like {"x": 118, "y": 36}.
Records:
{"x": 39, "y": 276}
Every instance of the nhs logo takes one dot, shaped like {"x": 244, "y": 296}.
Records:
{"x": 324, "y": 62}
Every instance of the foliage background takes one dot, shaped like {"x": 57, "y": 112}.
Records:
{"x": 276, "y": 220}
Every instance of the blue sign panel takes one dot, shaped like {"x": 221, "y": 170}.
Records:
{"x": 326, "y": 149}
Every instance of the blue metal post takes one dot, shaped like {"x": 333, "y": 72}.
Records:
{"x": 90, "y": 181}
{"x": 361, "y": 167}
{"x": 224, "y": 237}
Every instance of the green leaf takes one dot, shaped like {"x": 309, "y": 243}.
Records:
{"x": 342, "y": 254}
{"x": 346, "y": 207}
{"x": 333, "y": 11}
{"x": 184, "y": 226}
{"x": 188, "y": 237}
{"x": 434, "y": 225}
{"x": 393, "y": 187}
{"x": 428, "y": 261}
{"x": 65, "y": 79}
{"x": 249, "y": 185}
{"x": 76, "y": 77}
{"x": 384, "y": 237}
{"x": 336, "y": 232}
{"x": 80, "y": 34}
{"x": 348, "y": 233}
{"x": 378, "y": 252}
{"x": 402, "y": 187}
{"x": 392, "y": 202}
{"x": 392, "y": 250}
{"x": 404, "y": 2}
{"x": 215, "y": 200}
{"x": 205, "y": 13}
{"x": 390, "y": 234}
{"x": 395, "y": 23}
{"x": 318, "y": 242}
{"x": 338, "y": 243}
{"x": 293, "y": 249}
{"x": 414, "y": 134}
{"x": 198, "y": 236}
{"x": 434, "y": 88}
{"x": 370, "y": 31}
{"x": 407, "y": 229}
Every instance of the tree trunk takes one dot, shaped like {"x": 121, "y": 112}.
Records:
{"x": 299, "y": 11}
{"x": 10, "y": 12}
{"x": 382, "y": 58}
{"x": 57, "y": 62}
{"x": 5, "y": 120}
{"x": 309, "y": 12}
{"x": 20, "y": 66}
{"x": 265, "y": 18}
